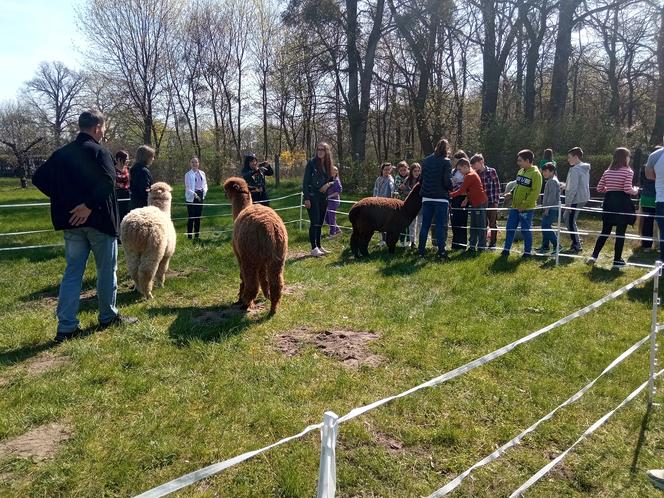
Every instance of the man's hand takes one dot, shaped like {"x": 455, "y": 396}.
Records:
{"x": 307, "y": 204}
{"x": 79, "y": 215}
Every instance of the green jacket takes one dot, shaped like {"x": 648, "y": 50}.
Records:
{"x": 528, "y": 187}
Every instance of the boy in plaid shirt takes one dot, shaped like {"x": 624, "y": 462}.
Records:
{"x": 491, "y": 184}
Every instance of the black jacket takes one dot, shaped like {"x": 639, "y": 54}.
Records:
{"x": 81, "y": 172}
{"x": 436, "y": 177}
{"x": 314, "y": 179}
{"x": 140, "y": 181}
{"x": 256, "y": 181}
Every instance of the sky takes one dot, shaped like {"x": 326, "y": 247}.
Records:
{"x": 32, "y": 31}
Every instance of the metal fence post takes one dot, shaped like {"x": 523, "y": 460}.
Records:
{"x": 327, "y": 475}
{"x": 560, "y": 214}
{"x": 301, "y": 205}
{"x": 653, "y": 334}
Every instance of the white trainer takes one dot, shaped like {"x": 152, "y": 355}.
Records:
{"x": 323, "y": 250}
{"x": 317, "y": 253}
{"x": 656, "y": 477}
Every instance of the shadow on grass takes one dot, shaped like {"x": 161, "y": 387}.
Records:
{"x": 597, "y": 274}
{"x": 505, "y": 264}
{"x": 38, "y": 255}
{"x": 642, "y": 438}
{"x": 88, "y": 300}
{"x": 211, "y": 323}
{"x": 23, "y": 353}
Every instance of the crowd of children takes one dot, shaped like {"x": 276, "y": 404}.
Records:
{"x": 475, "y": 195}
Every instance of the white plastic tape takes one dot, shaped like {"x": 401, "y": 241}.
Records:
{"x": 29, "y": 247}
{"x": 187, "y": 479}
{"x": 356, "y": 412}
{"x": 454, "y": 483}
{"x": 544, "y": 470}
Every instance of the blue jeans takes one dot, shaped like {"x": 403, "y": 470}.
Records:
{"x": 477, "y": 239}
{"x": 547, "y": 224}
{"x": 78, "y": 243}
{"x": 440, "y": 210}
{"x": 514, "y": 219}
{"x": 659, "y": 211}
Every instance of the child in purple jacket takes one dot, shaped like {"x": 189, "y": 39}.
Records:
{"x": 333, "y": 203}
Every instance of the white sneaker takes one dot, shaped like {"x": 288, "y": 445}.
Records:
{"x": 316, "y": 253}
{"x": 656, "y": 478}
{"x": 591, "y": 261}
{"x": 323, "y": 250}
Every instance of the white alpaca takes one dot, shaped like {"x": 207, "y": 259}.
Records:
{"x": 148, "y": 238}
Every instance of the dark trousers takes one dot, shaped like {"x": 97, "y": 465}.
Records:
{"x": 620, "y": 239}
{"x": 491, "y": 217}
{"x": 316, "y": 217}
{"x": 659, "y": 211}
{"x": 194, "y": 212}
{"x": 123, "y": 202}
{"x": 646, "y": 226}
{"x": 459, "y": 221}
{"x": 572, "y": 216}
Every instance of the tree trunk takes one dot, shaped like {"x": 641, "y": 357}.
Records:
{"x": 560, "y": 71}
{"x": 657, "y": 136}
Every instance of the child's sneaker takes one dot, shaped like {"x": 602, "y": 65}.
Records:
{"x": 619, "y": 263}
{"x": 316, "y": 253}
{"x": 542, "y": 250}
{"x": 323, "y": 250}
{"x": 591, "y": 261}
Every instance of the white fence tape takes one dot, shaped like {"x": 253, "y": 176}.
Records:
{"x": 356, "y": 412}
{"x": 186, "y": 480}
{"x": 544, "y": 470}
{"x": 29, "y": 247}
{"x": 454, "y": 483}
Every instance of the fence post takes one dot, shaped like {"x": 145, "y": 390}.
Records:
{"x": 301, "y": 204}
{"x": 653, "y": 335}
{"x": 560, "y": 213}
{"x": 327, "y": 475}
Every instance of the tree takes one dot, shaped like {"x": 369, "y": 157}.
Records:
{"x": 55, "y": 93}
{"x": 133, "y": 48}
{"x": 19, "y": 132}
{"x": 658, "y": 128}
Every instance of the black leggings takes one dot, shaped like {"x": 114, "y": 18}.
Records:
{"x": 194, "y": 212}
{"x": 316, "y": 218}
{"x": 620, "y": 239}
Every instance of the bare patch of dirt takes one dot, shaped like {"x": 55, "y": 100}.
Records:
{"x": 393, "y": 445}
{"x": 347, "y": 346}
{"x": 230, "y": 313}
{"x": 44, "y": 363}
{"x": 38, "y": 444}
{"x": 560, "y": 471}
{"x": 47, "y": 302}
{"x": 297, "y": 255}
{"x": 291, "y": 289}
{"x": 184, "y": 273}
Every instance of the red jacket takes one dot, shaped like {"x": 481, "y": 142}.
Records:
{"x": 472, "y": 186}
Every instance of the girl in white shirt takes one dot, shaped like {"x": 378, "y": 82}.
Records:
{"x": 195, "y": 190}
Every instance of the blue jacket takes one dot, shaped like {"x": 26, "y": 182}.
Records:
{"x": 436, "y": 177}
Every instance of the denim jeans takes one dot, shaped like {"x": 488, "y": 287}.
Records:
{"x": 659, "y": 211}
{"x": 78, "y": 243}
{"x": 514, "y": 219}
{"x": 440, "y": 210}
{"x": 477, "y": 227}
{"x": 547, "y": 224}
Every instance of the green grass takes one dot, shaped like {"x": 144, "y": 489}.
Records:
{"x": 170, "y": 395}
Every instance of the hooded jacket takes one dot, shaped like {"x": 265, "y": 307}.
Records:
{"x": 577, "y": 186}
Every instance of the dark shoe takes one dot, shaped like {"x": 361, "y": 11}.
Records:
{"x": 118, "y": 320}
{"x": 575, "y": 250}
{"x": 504, "y": 253}
{"x": 442, "y": 256}
{"x": 66, "y": 336}
{"x": 619, "y": 263}
{"x": 527, "y": 255}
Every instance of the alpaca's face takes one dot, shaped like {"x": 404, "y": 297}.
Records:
{"x": 234, "y": 187}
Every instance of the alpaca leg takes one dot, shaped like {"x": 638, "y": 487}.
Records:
{"x": 355, "y": 243}
{"x": 392, "y": 238}
{"x": 250, "y": 287}
{"x": 276, "y": 278}
{"x": 146, "y": 272}
{"x": 364, "y": 243}
{"x": 160, "y": 277}
{"x": 263, "y": 280}
{"x": 133, "y": 259}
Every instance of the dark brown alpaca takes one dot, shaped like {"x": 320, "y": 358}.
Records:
{"x": 260, "y": 244}
{"x": 380, "y": 214}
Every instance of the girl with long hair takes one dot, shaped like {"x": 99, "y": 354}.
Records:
{"x": 317, "y": 180}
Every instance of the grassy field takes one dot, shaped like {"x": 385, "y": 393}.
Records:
{"x": 192, "y": 384}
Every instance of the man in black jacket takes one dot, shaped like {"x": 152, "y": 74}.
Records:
{"x": 79, "y": 178}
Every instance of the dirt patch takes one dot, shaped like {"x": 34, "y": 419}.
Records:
{"x": 47, "y": 302}
{"x": 230, "y": 313}
{"x": 44, "y": 363}
{"x": 291, "y": 289}
{"x": 560, "y": 471}
{"x": 347, "y": 346}
{"x": 38, "y": 444}
{"x": 184, "y": 273}
{"x": 393, "y": 446}
{"x": 298, "y": 255}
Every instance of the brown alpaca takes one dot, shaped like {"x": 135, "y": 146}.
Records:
{"x": 380, "y": 214}
{"x": 260, "y": 244}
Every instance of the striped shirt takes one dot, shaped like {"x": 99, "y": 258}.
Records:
{"x": 617, "y": 180}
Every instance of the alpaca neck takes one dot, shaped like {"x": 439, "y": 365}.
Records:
{"x": 412, "y": 204}
{"x": 163, "y": 205}
{"x": 239, "y": 203}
